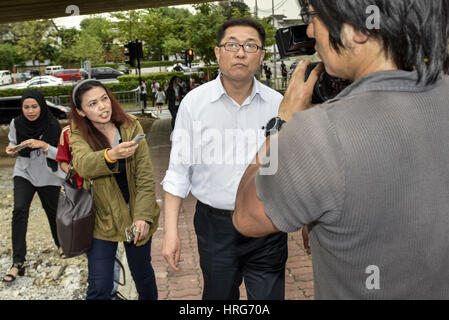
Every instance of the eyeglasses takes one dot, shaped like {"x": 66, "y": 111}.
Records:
{"x": 235, "y": 47}
{"x": 307, "y": 15}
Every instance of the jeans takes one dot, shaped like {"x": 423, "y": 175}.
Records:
{"x": 23, "y": 195}
{"x": 101, "y": 269}
{"x": 227, "y": 257}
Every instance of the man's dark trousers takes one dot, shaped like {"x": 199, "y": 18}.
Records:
{"x": 227, "y": 257}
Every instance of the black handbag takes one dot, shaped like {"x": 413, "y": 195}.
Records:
{"x": 75, "y": 218}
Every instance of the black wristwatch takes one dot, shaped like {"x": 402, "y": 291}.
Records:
{"x": 273, "y": 126}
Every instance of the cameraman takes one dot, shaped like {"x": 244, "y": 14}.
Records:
{"x": 368, "y": 171}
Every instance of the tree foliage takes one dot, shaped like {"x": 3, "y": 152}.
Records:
{"x": 164, "y": 32}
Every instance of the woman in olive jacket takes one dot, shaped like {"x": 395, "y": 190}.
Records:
{"x": 121, "y": 175}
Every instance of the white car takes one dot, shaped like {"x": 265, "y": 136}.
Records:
{"x": 44, "y": 81}
{"x": 49, "y": 78}
{"x": 5, "y": 77}
{"x": 185, "y": 68}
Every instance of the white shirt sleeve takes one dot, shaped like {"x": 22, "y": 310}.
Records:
{"x": 177, "y": 179}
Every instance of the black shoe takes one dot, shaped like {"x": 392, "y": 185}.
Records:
{"x": 118, "y": 296}
{"x": 21, "y": 272}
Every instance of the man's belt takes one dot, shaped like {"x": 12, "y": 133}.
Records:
{"x": 227, "y": 213}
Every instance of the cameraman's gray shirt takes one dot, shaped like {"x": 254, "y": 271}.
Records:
{"x": 370, "y": 171}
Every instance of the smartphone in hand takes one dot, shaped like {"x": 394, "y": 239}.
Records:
{"x": 18, "y": 148}
{"x": 139, "y": 138}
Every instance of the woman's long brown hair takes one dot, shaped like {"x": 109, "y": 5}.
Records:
{"x": 92, "y": 135}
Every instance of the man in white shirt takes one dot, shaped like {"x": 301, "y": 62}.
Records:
{"x": 217, "y": 134}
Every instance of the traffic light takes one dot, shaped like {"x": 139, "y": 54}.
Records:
{"x": 190, "y": 54}
{"x": 131, "y": 53}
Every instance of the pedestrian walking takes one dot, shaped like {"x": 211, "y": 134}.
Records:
{"x": 154, "y": 87}
{"x": 206, "y": 117}
{"x": 37, "y": 132}
{"x": 268, "y": 74}
{"x": 143, "y": 93}
{"x": 121, "y": 174}
{"x": 160, "y": 99}
{"x": 174, "y": 96}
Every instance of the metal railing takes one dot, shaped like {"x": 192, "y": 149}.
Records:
{"x": 122, "y": 97}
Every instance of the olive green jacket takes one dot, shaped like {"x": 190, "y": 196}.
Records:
{"x": 113, "y": 215}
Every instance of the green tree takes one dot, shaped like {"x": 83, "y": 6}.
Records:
{"x": 68, "y": 37}
{"x": 128, "y": 24}
{"x": 173, "y": 45}
{"x": 88, "y": 47}
{"x": 202, "y": 30}
{"x": 10, "y": 56}
{"x": 37, "y": 39}
{"x": 234, "y": 9}
{"x": 154, "y": 29}
{"x": 99, "y": 27}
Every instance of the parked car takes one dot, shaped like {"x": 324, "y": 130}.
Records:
{"x": 10, "y": 108}
{"x": 41, "y": 81}
{"x": 50, "y": 69}
{"x": 5, "y": 77}
{"x": 30, "y": 73}
{"x": 123, "y": 69}
{"x": 69, "y": 74}
{"x": 105, "y": 73}
{"x": 181, "y": 67}
{"x": 49, "y": 78}
{"x": 20, "y": 77}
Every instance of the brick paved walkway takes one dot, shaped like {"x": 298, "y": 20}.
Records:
{"x": 187, "y": 284}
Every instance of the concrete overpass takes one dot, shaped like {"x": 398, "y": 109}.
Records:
{"x": 22, "y": 10}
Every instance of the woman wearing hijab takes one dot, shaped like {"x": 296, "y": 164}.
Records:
{"x": 33, "y": 136}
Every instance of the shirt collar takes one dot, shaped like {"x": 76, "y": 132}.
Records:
{"x": 219, "y": 90}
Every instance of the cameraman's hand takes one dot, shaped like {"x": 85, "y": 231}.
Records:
{"x": 298, "y": 96}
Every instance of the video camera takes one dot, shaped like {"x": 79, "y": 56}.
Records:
{"x": 293, "y": 41}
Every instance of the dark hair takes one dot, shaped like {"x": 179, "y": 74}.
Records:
{"x": 92, "y": 135}
{"x": 237, "y": 22}
{"x": 414, "y": 33}
{"x": 172, "y": 81}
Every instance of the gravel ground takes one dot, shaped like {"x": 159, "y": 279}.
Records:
{"x": 47, "y": 276}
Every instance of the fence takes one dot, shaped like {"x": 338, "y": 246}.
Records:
{"x": 133, "y": 96}
{"x": 124, "y": 97}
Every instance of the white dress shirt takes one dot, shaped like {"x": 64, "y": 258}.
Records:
{"x": 214, "y": 141}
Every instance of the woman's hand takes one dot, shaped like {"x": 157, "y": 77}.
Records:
{"x": 142, "y": 230}
{"x": 123, "y": 151}
{"x": 11, "y": 151}
{"x": 35, "y": 144}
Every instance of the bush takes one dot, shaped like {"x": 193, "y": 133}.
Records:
{"x": 143, "y": 64}
{"x": 67, "y": 90}
{"x": 160, "y": 76}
